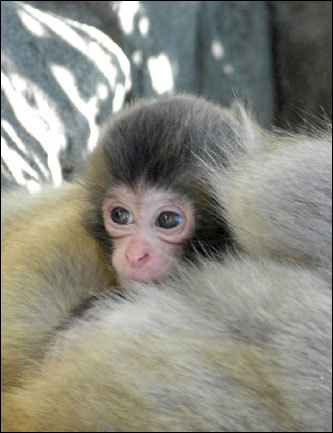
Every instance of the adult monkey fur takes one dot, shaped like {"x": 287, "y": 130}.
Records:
{"x": 240, "y": 343}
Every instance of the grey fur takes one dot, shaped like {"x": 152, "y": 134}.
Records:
{"x": 278, "y": 195}
{"x": 244, "y": 346}
{"x": 241, "y": 342}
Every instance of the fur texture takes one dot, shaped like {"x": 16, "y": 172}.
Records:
{"x": 236, "y": 342}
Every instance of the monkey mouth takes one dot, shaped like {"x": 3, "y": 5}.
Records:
{"x": 131, "y": 279}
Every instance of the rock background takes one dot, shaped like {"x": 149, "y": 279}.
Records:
{"x": 302, "y": 48}
{"x": 66, "y": 66}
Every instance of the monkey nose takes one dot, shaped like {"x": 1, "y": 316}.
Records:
{"x": 137, "y": 257}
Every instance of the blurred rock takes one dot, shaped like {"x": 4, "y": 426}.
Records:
{"x": 235, "y": 55}
{"x": 62, "y": 76}
{"x": 217, "y": 49}
{"x": 303, "y": 61}
{"x": 60, "y": 80}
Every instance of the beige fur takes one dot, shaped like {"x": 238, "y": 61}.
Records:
{"x": 239, "y": 342}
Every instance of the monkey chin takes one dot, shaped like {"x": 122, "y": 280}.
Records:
{"x": 134, "y": 281}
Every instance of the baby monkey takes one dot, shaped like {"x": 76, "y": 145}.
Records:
{"x": 148, "y": 202}
{"x": 139, "y": 207}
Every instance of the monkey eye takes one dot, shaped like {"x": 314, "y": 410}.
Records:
{"x": 119, "y": 215}
{"x": 168, "y": 220}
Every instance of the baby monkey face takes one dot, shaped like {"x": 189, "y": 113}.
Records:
{"x": 148, "y": 228}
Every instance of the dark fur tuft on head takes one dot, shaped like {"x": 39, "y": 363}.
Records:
{"x": 159, "y": 143}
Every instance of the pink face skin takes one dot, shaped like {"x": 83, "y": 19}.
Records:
{"x": 143, "y": 249}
